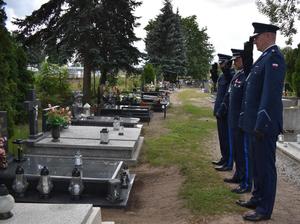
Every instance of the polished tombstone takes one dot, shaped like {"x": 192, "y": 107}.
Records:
{"x": 124, "y": 147}
{"x": 128, "y": 122}
{"x": 32, "y": 106}
{"x": 142, "y": 112}
{"x": 96, "y": 178}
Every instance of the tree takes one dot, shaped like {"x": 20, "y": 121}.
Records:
{"x": 165, "y": 44}
{"x": 15, "y": 80}
{"x": 99, "y": 33}
{"x": 148, "y": 75}
{"x": 199, "y": 50}
{"x": 283, "y": 13}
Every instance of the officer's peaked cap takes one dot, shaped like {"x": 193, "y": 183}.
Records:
{"x": 223, "y": 58}
{"x": 236, "y": 53}
{"x": 262, "y": 28}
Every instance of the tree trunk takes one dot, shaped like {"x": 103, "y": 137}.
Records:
{"x": 101, "y": 86}
{"x": 86, "y": 82}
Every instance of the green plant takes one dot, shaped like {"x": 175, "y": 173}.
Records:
{"x": 58, "y": 117}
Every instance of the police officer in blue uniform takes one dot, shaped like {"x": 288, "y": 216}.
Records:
{"x": 239, "y": 148}
{"x": 261, "y": 118}
{"x": 225, "y": 63}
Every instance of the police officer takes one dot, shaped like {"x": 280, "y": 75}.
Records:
{"x": 239, "y": 147}
{"x": 225, "y": 63}
{"x": 261, "y": 118}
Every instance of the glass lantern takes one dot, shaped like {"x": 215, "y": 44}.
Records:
{"x": 116, "y": 123}
{"x": 76, "y": 186}
{"x": 18, "y": 150}
{"x": 7, "y": 203}
{"x": 104, "y": 138}
{"x": 45, "y": 184}
{"x": 20, "y": 183}
{"x": 281, "y": 138}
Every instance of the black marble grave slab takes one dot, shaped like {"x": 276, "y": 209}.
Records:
{"x": 96, "y": 175}
{"x": 104, "y": 121}
{"x": 142, "y": 112}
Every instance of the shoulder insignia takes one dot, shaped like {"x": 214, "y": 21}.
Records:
{"x": 275, "y": 65}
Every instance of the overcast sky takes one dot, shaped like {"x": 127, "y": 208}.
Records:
{"x": 228, "y": 22}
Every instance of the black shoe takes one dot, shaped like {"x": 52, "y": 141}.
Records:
{"x": 240, "y": 190}
{"x": 223, "y": 168}
{"x": 246, "y": 204}
{"x": 218, "y": 163}
{"x": 255, "y": 217}
{"x": 232, "y": 180}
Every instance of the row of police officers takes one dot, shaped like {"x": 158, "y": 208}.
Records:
{"x": 248, "y": 108}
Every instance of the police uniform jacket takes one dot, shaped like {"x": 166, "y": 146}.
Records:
{"x": 235, "y": 98}
{"x": 223, "y": 84}
{"x": 262, "y": 104}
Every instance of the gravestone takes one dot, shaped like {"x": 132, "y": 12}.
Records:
{"x": 77, "y": 106}
{"x": 3, "y": 124}
{"x": 32, "y": 106}
{"x": 291, "y": 118}
{"x": 96, "y": 177}
{"x": 124, "y": 147}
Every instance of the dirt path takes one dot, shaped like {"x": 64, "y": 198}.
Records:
{"x": 155, "y": 200}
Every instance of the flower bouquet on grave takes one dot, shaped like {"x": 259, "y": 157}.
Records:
{"x": 57, "y": 118}
{"x": 3, "y": 160}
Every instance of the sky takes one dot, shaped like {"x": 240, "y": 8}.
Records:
{"x": 228, "y": 22}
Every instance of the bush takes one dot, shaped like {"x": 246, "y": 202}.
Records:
{"x": 296, "y": 77}
{"x": 296, "y": 83}
{"x": 52, "y": 85}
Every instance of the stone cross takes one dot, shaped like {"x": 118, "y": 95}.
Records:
{"x": 32, "y": 106}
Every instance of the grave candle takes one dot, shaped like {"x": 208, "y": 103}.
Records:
{"x": 20, "y": 184}
{"x": 45, "y": 184}
{"x": 76, "y": 186}
{"x": 6, "y": 203}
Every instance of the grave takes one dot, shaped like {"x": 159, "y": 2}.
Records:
{"x": 124, "y": 147}
{"x": 103, "y": 181}
{"x": 54, "y": 213}
{"x": 128, "y": 122}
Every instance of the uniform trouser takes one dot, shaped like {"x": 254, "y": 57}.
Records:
{"x": 245, "y": 161}
{"x": 223, "y": 138}
{"x": 236, "y": 137}
{"x": 264, "y": 173}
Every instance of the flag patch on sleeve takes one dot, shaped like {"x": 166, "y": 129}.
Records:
{"x": 275, "y": 65}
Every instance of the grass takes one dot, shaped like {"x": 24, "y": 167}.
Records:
{"x": 185, "y": 145}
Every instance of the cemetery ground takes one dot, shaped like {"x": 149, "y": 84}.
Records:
{"x": 176, "y": 182}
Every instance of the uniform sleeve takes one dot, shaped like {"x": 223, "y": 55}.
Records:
{"x": 224, "y": 106}
{"x": 272, "y": 90}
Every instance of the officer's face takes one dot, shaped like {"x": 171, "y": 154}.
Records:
{"x": 258, "y": 41}
{"x": 238, "y": 63}
{"x": 264, "y": 40}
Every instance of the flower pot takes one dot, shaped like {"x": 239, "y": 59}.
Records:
{"x": 55, "y": 132}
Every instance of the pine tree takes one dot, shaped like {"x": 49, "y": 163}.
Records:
{"x": 15, "y": 80}
{"x": 99, "y": 33}
{"x": 165, "y": 43}
{"x": 199, "y": 50}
